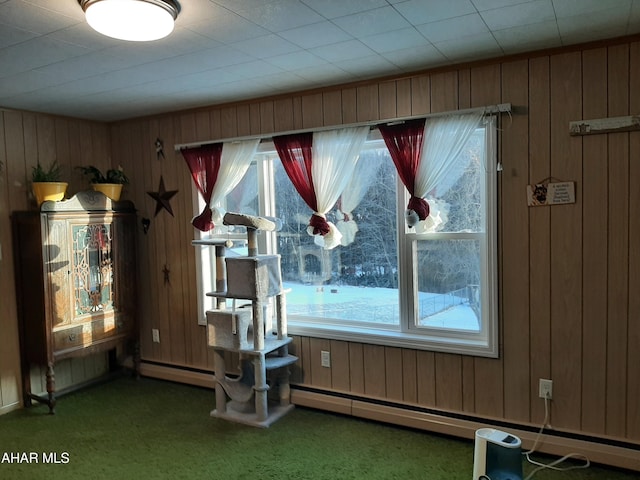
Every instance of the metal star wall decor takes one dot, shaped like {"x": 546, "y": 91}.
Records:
{"x": 162, "y": 197}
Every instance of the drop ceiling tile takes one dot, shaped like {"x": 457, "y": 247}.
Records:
{"x": 281, "y": 15}
{"x": 426, "y": 11}
{"x": 537, "y": 11}
{"x": 572, "y": 8}
{"x": 528, "y": 37}
{"x": 470, "y": 47}
{"x": 372, "y": 22}
{"x": 592, "y": 26}
{"x": 265, "y": 46}
{"x": 253, "y": 69}
{"x": 415, "y": 58}
{"x": 324, "y": 74}
{"x": 69, "y": 9}
{"x": 491, "y": 4}
{"x": 36, "y": 53}
{"x": 452, "y": 28}
{"x": 341, "y": 8}
{"x": 367, "y": 67}
{"x": 297, "y": 60}
{"x": 26, "y": 82}
{"x": 35, "y": 19}
{"x": 395, "y": 40}
{"x": 83, "y": 66}
{"x": 10, "y": 35}
{"x": 343, "y": 51}
{"x": 228, "y": 27}
{"x": 310, "y": 36}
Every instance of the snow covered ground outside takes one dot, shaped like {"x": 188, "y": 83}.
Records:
{"x": 378, "y": 305}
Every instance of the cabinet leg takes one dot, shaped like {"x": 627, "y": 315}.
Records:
{"x": 51, "y": 388}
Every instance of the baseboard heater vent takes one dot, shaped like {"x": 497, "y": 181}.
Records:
{"x": 614, "y": 453}
{"x": 605, "y": 451}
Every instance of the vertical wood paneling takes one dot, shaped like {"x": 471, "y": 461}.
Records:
{"x": 387, "y": 101}
{"x": 489, "y": 400}
{"x": 539, "y": 226}
{"x": 312, "y": 110}
{"x": 320, "y": 376}
{"x": 594, "y": 275}
{"x": 448, "y": 371}
{"x": 228, "y": 122}
{"x": 393, "y": 373}
{"x": 374, "y": 371}
{"x": 514, "y": 243}
{"x": 409, "y": 376}
{"x": 332, "y": 107}
{"x": 283, "y": 115}
{"x": 349, "y": 106}
{"x": 420, "y": 95}
{"x": 633, "y": 339}
{"x": 403, "y": 97}
{"x": 586, "y": 345}
{"x": 618, "y": 242}
{"x": 10, "y": 379}
{"x": 255, "y": 117}
{"x": 566, "y": 244}
{"x": 340, "y": 365}
{"x": 444, "y": 92}
{"x": 367, "y": 103}
{"x": 243, "y": 118}
{"x": 426, "y": 378}
{"x": 356, "y": 368}
{"x": 267, "y": 118}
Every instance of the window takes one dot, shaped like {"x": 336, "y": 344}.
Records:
{"x": 432, "y": 287}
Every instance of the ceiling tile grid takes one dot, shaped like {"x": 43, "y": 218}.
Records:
{"x": 231, "y": 50}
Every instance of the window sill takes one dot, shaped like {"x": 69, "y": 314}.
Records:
{"x": 393, "y": 338}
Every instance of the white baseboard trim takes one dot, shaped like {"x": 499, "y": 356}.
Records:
{"x": 10, "y": 407}
{"x": 596, "y": 451}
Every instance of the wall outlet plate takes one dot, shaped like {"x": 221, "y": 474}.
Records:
{"x": 155, "y": 335}
{"x": 545, "y": 388}
{"x": 325, "y": 359}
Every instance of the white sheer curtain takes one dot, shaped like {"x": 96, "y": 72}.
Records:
{"x": 335, "y": 156}
{"x": 362, "y": 178}
{"x": 444, "y": 138}
{"x": 234, "y": 162}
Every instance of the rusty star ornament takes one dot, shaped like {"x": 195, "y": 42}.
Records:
{"x": 162, "y": 197}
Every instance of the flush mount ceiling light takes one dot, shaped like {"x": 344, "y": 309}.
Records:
{"x": 133, "y": 20}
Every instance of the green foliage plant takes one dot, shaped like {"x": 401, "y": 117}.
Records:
{"x": 113, "y": 175}
{"x": 50, "y": 174}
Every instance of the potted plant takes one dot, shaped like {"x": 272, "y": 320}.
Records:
{"x": 109, "y": 183}
{"x": 46, "y": 183}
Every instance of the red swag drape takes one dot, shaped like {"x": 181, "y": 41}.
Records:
{"x": 204, "y": 164}
{"x": 404, "y": 142}
{"x": 296, "y": 152}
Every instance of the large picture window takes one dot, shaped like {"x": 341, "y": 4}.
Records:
{"x": 428, "y": 286}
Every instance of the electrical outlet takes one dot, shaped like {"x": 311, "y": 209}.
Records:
{"x": 545, "y": 388}
{"x": 155, "y": 334}
{"x": 325, "y": 359}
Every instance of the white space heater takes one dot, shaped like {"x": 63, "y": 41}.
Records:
{"x": 497, "y": 456}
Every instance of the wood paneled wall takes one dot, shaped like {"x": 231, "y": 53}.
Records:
{"x": 569, "y": 274}
{"x": 25, "y": 140}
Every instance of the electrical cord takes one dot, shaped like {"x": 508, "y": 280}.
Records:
{"x": 553, "y": 465}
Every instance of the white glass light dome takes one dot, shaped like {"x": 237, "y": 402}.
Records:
{"x": 132, "y": 20}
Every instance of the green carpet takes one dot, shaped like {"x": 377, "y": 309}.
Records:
{"x": 150, "y": 429}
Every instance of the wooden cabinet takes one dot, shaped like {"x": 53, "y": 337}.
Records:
{"x": 76, "y": 284}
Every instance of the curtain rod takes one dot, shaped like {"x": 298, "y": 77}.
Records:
{"x": 487, "y": 110}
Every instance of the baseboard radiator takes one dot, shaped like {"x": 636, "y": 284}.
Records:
{"x": 607, "y": 452}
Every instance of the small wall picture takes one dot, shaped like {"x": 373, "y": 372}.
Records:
{"x": 541, "y": 194}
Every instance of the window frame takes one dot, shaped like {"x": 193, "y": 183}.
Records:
{"x": 407, "y": 335}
